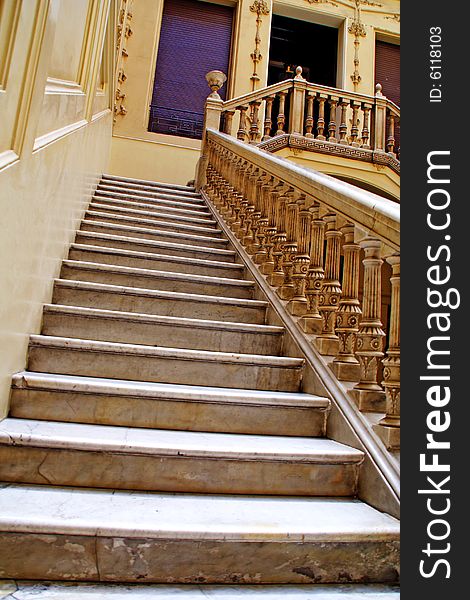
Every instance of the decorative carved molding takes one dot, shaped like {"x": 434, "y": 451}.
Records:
{"x": 357, "y": 29}
{"x": 322, "y": 2}
{"x": 124, "y": 32}
{"x": 260, "y": 8}
{"x": 393, "y": 17}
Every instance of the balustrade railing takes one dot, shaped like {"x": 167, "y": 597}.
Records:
{"x": 326, "y": 117}
{"x": 330, "y": 250}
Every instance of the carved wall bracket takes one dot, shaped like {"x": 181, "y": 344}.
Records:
{"x": 260, "y": 8}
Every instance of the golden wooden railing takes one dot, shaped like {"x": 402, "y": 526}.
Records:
{"x": 329, "y": 119}
{"x": 330, "y": 250}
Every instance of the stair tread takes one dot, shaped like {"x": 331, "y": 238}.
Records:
{"x": 104, "y": 513}
{"x": 157, "y": 243}
{"x": 121, "y": 289}
{"x": 154, "y": 273}
{"x": 151, "y": 193}
{"x": 117, "y": 387}
{"x": 164, "y": 442}
{"x": 50, "y": 341}
{"x": 155, "y": 256}
{"x": 155, "y": 232}
{"x": 152, "y": 183}
{"x": 96, "y": 591}
{"x": 163, "y": 319}
{"x": 132, "y": 208}
{"x": 159, "y": 198}
{"x": 131, "y": 219}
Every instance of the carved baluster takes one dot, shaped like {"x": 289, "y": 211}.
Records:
{"x": 254, "y": 128}
{"x": 327, "y": 342}
{"x": 268, "y": 122}
{"x": 312, "y": 321}
{"x": 241, "y": 133}
{"x": 343, "y": 127}
{"x": 391, "y": 134}
{"x": 389, "y": 427}
{"x": 289, "y": 249}
{"x": 276, "y": 277}
{"x": 267, "y": 266}
{"x": 368, "y": 394}
{"x": 355, "y": 123}
{"x": 366, "y": 108}
{"x": 229, "y": 121}
{"x": 298, "y": 305}
{"x": 332, "y": 124}
{"x": 322, "y": 98}
{"x": 281, "y": 117}
{"x": 263, "y": 222}
{"x": 346, "y": 366}
{"x": 248, "y": 238}
{"x": 254, "y": 246}
{"x": 309, "y": 122}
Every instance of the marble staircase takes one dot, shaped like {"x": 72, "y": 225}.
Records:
{"x": 160, "y": 433}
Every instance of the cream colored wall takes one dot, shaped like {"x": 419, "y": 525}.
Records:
{"x": 135, "y": 154}
{"x": 54, "y": 146}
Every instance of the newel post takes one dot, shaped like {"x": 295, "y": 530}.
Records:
{"x": 380, "y": 124}
{"x": 296, "y": 117}
{"x": 212, "y": 113}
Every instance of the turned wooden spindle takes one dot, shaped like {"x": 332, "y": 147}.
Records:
{"x": 241, "y": 133}
{"x": 343, "y": 127}
{"x": 289, "y": 248}
{"x": 309, "y": 122}
{"x": 355, "y": 123}
{"x": 228, "y": 121}
{"x": 365, "y": 134}
{"x": 327, "y": 342}
{"x": 298, "y": 304}
{"x": 333, "y": 101}
{"x": 389, "y": 426}
{"x": 281, "y": 117}
{"x": 312, "y": 321}
{"x": 346, "y": 366}
{"x": 391, "y": 134}
{"x": 268, "y": 122}
{"x": 322, "y": 98}
{"x": 369, "y": 341}
{"x": 254, "y": 128}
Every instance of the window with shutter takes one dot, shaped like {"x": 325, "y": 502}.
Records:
{"x": 195, "y": 38}
{"x": 387, "y": 73}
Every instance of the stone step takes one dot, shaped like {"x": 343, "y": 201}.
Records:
{"x": 158, "y": 199}
{"x": 118, "y": 180}
{"x": 154, "y": 330}
{"x": 150, "y": 223}
{"x": 163, "y": 210}
{"x": 152, "y": 233}
{"x": 149, "y": 192}
{"x": 166, "y": 406}
{"x": 157, "y": 302}
{"x": 179, "y": 202}
{"x": 156, "y": 280}
{"x": 154, "y": 261}
{"x": 26, "y": 590}
{"x": 90, "y": 358}
{"x": 76, "y": 454}
{"x": 121, "y": 536}
{"x": 143, "y": 245}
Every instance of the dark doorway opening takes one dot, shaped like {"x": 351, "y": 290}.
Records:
{"x": 313, "y": 47}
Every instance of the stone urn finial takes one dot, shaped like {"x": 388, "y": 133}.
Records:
{"x": 378, "y": 90}
{"x": 215, "y": 80}
{"x": 298, "y": 73}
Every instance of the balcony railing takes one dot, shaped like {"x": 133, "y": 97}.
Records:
{"x": 327, "y": 248}
{"x": 315, "y": 117}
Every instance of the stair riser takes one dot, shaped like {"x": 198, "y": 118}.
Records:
{"x": 187, "y": 209}
{"x": 157, "y": 283}
{"x": 163, "y": 369}
{"x": 160, "y": 199}
{"x": 159, "y": 413}
{"x": 80, "y": 468}
{"x": 61, "y": 557}
{"x": 146, "y": 189}
{"x": 163, "y": 236}
{"x": 151, "y": 334}
{"x": 142, "y": 246}
{"x": 159, "y": 306}
{"x": 151, "y": 212}
{"x": 149, "y": 223}
{"x": 157, "y": 264}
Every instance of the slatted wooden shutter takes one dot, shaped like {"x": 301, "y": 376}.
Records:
{"x": 195, "y": 38}
{"x": 387, "y": 69}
